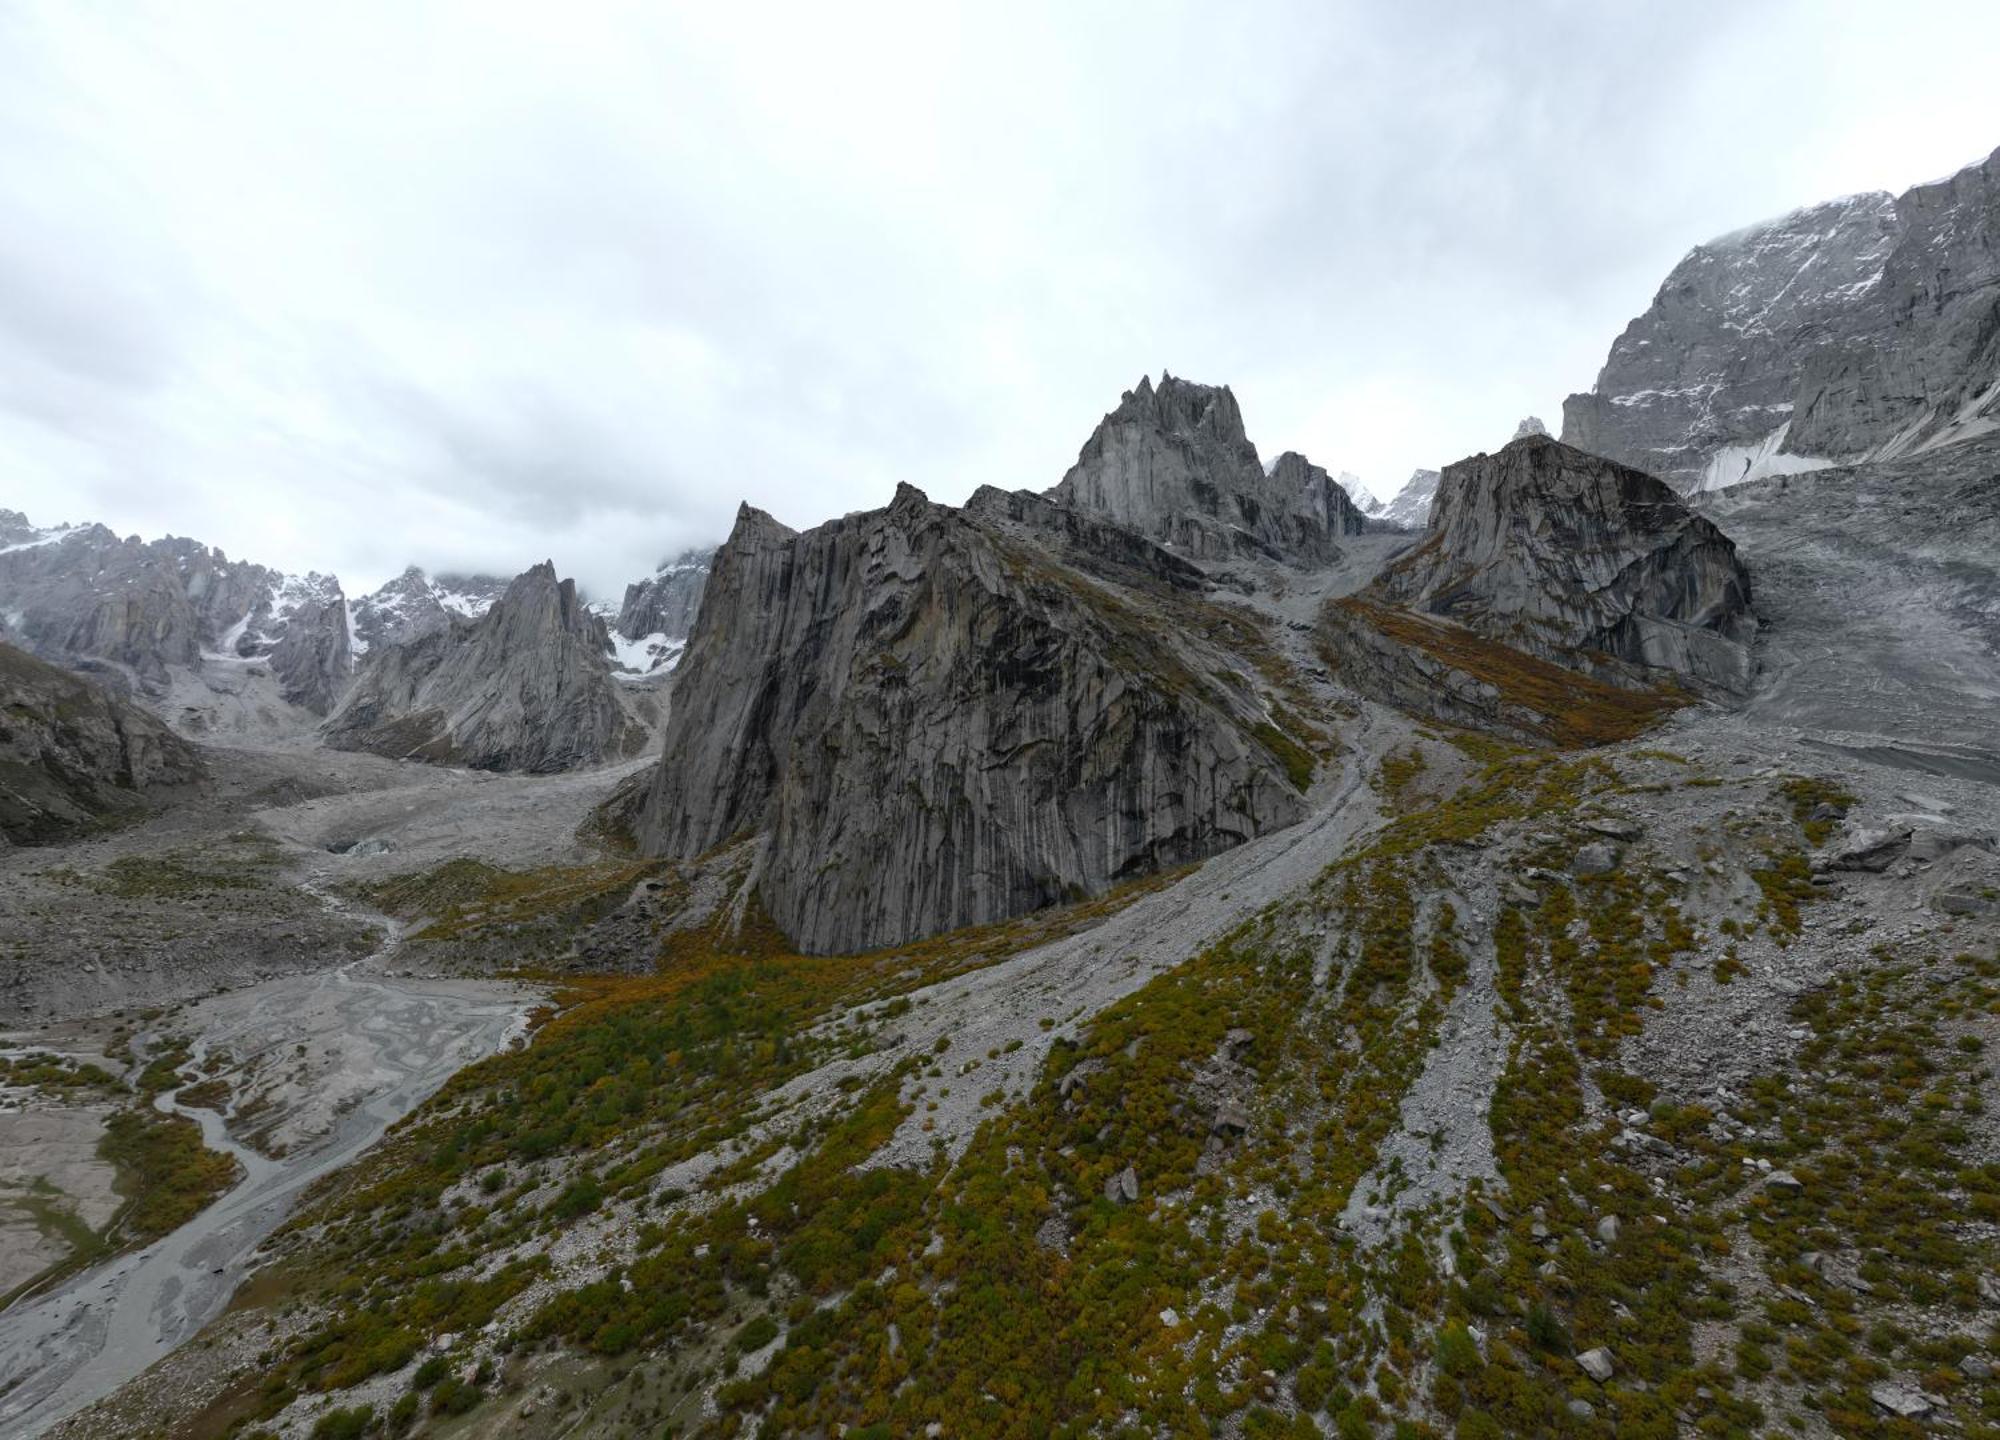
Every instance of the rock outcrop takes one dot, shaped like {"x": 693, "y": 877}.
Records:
{"x": 1175, "y": 465}
{"x": 1411, "y": 507}
{"x": 938, "y": 717}
{"x": 1556, "y": 595}
{"x": 1863, "y": 328}
{"x": 1572, "y": 557}
{"x": 82, "y": 597}
{"x": 74, "y": 757}
{"x": 525, "y": 686}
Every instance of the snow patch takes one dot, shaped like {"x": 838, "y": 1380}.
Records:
{"x": 1738, "y": 464}
{"x": 642, "y": 658}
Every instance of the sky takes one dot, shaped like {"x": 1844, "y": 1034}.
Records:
{"x": 346, "y": 287}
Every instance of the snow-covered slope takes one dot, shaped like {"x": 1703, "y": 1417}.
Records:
{"x": 414, "y": 605}
{"x": 1412, "y": 504}
{"x": 1862, "y": 328}
{"x": 1364, "y": 499}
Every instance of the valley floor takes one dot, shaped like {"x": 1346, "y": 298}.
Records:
{"x": 1638, "y": 1091}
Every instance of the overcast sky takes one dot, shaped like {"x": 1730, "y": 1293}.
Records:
{"x": 348, "y": 286}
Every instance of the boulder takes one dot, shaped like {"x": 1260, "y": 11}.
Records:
{"x": 1597, "y": 1364}
{"x": 1597, "y": 858}
{"x": 1868, "y": 850}
{"x": 1906, "y": 1402}
{"x": 1123, "y": 1188}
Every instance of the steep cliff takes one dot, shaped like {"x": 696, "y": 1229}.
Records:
{"x": 526, "y": 686}
{"x": 652, "y": 624}
{"x": 72, "y": 756}
{"x": 1548, "y": 581}
{"x": 1174, "y": 464}
{"x": 939, "y": 718}
{"x": 1863, "y": 328}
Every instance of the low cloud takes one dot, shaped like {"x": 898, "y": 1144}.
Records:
{"x": 472, "y": 285}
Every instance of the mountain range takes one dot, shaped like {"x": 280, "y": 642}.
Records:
{"x": 1173, "y": 952}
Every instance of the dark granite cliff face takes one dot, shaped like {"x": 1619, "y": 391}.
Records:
{"x": 1864, "y": 328}
{"x": 73, "y": 756}
{"x": 525, "y": 686}
{"x": 1174, "y": 464}
{"x": 938, "y": 718}
{"x": 1542, "y": 560}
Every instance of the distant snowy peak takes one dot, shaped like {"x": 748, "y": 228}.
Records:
{"x": 1530, "y": 425}
{"x": 414, "y": 605}
{"x": 649, "y": 655}
{"x": 1856, "y": 329}
{"x": 18, "y": 533}
{"x": 1412, "y": 505}
{"x": 1364, "y": 499}
{"x": 658, "y": 612}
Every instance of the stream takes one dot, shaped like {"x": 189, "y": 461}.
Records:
{"x": 394, "y": 1042}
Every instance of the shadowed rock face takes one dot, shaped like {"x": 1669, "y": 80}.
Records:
{"x": 666, "y": 602}
{"x": 1174, "y": 465}
{"x": 936, "y": 721}
{"x": 523, "y": 687}
{"x": 84, "y": 595}
{"x": 1865, "y": 327}
{"x": 73, "y": 756}
{"x": 1571, "y": 557}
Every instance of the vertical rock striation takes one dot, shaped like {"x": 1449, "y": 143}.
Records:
{"x": 525, "y": 686}
{"x": 939, "y": 718}
{"x": 1174, "y": 464}
{"x": 1570, "y": 556}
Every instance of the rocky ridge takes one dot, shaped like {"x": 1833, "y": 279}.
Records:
{"x": 128, "y": 609}
{"x": 524, "y": 686}
{"x": 414, "y": 605}
{"x": 1175, "y": 465}
{"x": 935, "y": 720}
{"x": 1863, "y": 328}
{"x": 73, "y": 756}
{"x": 1543, "y": 560}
